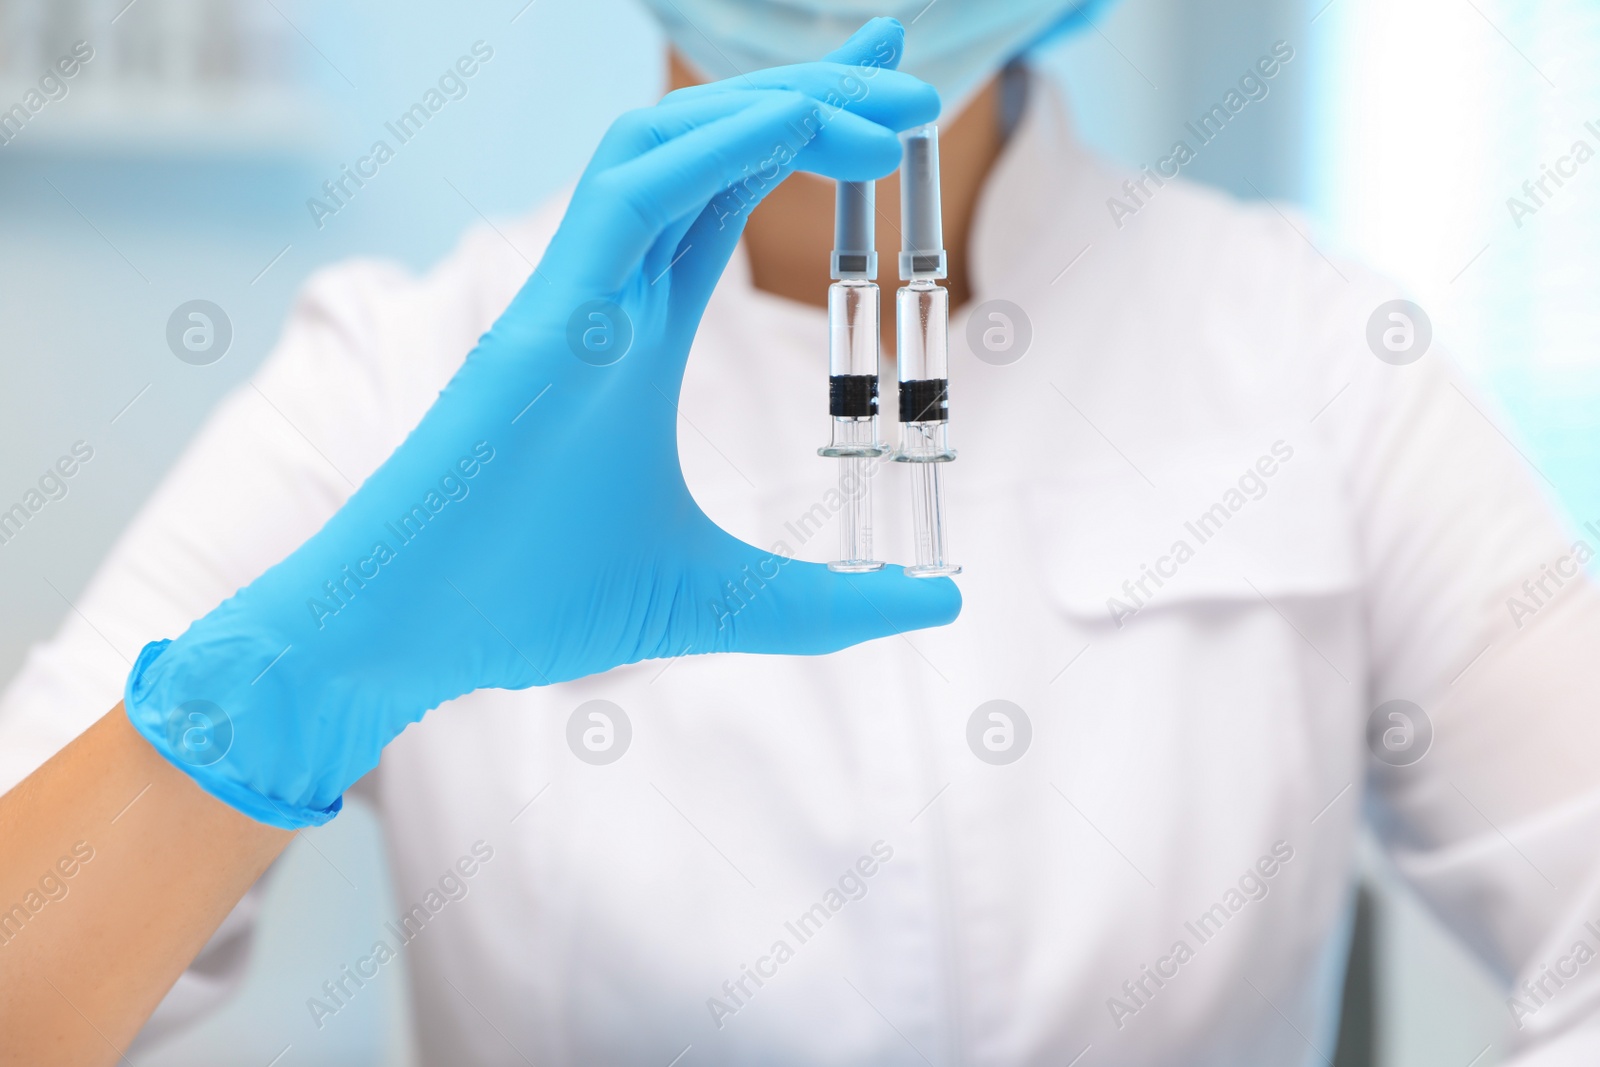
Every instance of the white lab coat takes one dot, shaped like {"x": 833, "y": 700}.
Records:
{"x": 1218, "y": 729}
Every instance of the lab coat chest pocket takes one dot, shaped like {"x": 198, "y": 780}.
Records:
{"x": 1233, "y": 525}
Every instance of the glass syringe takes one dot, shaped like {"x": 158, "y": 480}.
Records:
{"x": 853, "y": 370}
{"x": 922, "y": 322}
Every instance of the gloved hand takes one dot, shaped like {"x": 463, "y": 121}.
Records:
{"x": 508, "y": 543}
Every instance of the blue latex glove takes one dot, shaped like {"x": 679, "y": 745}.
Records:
{"x": 506, "y": 546}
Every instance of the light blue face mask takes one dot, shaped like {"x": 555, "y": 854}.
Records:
{"x": 955, "y": 45}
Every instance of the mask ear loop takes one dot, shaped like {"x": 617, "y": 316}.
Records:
{"x": 1014, "y": 78}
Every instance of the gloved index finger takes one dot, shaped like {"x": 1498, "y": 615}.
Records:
{"x": 639, "y": 131}
{"x": 881, "y": 95}
{"x": 683, "y": 175}
{"x": 880, "y": 42}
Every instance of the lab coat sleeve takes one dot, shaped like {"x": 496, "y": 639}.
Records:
{"x": 268, "y": 467}
{"x": 1479, "y": 612}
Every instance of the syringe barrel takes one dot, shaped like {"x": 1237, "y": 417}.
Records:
{"x": 923, "y": 317}
{"x": 923, "y": 322}
{"x": 921, "y": 225}
{"x": 853, "y": 369}
{"x": 853, "y": 330}
{"x": 922, "y": 328}
{"x": 853, "y": 372}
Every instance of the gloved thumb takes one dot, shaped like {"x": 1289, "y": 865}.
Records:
{"x": 774, "y": 604}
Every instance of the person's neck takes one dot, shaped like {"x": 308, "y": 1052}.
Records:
{"x": 790, "y": 235}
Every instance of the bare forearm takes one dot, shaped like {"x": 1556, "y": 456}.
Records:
{"x": 115, "y": 868}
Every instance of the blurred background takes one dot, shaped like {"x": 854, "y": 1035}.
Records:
{"x": 179, "y": 162}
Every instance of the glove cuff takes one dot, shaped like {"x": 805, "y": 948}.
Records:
{"x": 197, "y": 735}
